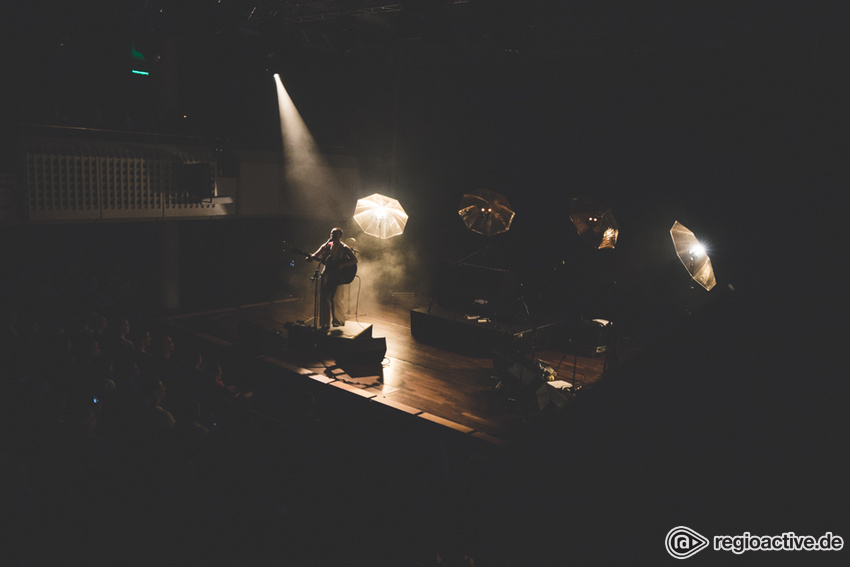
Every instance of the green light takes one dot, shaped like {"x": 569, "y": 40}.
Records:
{"x": 135, "y": 54}
{"x": 137, "y": 72}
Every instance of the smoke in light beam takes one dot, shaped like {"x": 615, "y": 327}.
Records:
{"x": 310, "y": 181}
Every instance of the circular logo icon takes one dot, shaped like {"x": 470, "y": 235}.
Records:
{"x": 683, "y": 542}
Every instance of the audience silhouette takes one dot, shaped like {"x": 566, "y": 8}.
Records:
{"x": 120, "y": 437}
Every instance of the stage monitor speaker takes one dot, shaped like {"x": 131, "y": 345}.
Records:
{"x": 360, "y": 352}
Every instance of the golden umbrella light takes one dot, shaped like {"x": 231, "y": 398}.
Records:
{"x": 380, "y": 216}
{"x": 693, "y": 256}
{"x": 594, "y": 223}
{"x": 486, "y": 212}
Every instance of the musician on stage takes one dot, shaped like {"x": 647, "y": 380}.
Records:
{"x": 339, "y": 261}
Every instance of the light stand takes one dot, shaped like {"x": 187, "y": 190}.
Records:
{"x": 597, "y": 226}
{"x": 611, "y": 354}
{"x": 487, "y": 213}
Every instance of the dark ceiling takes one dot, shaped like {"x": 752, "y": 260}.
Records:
{"x": 210, "y": 59}
{"x": 690, "y": 104}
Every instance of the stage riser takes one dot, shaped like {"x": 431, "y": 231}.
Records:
{"x": 361, "y": 352}
{"x": 359, "y": 349}
{"x": 346, "y": 349}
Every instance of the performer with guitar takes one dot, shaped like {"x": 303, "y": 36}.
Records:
{"x": 340, "y": 268}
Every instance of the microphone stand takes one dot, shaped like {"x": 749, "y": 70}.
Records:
{"x": 316, "y": 278}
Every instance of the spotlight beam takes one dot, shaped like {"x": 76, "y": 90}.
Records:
{"x": 309, "y": 179}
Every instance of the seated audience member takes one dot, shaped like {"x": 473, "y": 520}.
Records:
{"x": 213, "y": 382}
{"x": 121, "y": 345}
{"x": 158, "y": 417}
{"x": 143, "y": 341}
{"x": 99, "y": 326}
{"x": 161, "y": 363}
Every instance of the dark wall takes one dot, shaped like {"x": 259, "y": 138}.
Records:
{"x": 740, "y": 138}
{"x": 742, "y": 143}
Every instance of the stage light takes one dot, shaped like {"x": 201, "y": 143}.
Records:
{"x": 697, "y": 250}
{"x": 380, "y": 216}
{"x": 134, "y": 53}
{"x": 693, "y": 256}
{"x": 294, "y": 131}
{"x": 486, "y": 212}
{"x": 594, "y": 223}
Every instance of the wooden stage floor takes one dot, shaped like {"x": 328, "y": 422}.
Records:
{"x": 448, "y": 387}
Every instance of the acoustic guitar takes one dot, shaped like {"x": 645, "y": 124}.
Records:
{"x": 339, "y": 275}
